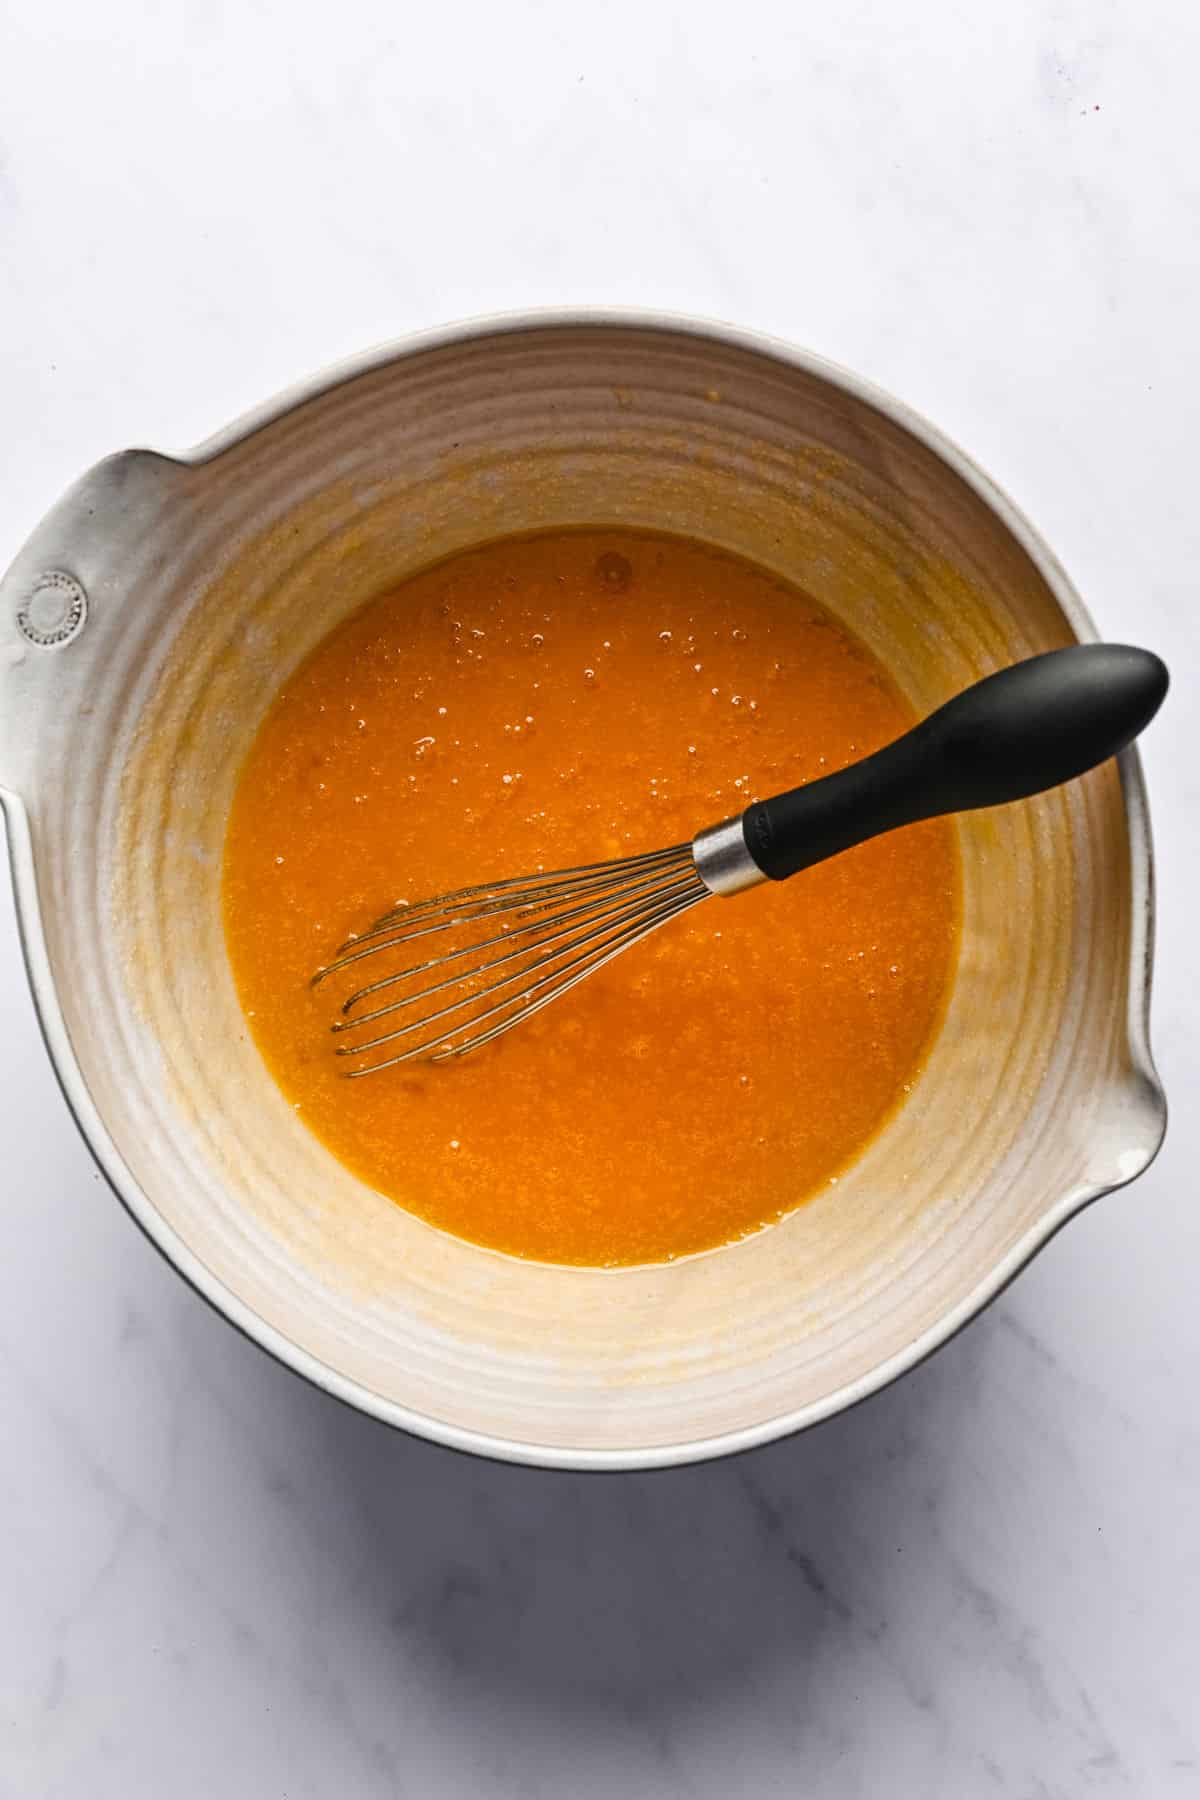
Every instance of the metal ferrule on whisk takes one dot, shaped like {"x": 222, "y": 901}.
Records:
{"x": 723, "y": 862}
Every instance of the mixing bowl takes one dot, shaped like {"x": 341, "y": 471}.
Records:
{"x": 144, "y": 630}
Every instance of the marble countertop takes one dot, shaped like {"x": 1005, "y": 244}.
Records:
{"x": 215, "y": 1580}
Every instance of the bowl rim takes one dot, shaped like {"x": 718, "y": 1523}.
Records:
{"x": 1140, "y": 961}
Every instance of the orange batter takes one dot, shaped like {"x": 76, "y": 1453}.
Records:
{"x": 547, "y": 701}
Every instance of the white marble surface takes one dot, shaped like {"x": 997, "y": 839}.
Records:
{"x": 215, "y": 1581}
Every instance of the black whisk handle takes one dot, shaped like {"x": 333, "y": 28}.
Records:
{"x": 1016, "y": 733}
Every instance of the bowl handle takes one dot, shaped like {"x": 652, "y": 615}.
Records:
{"x": 62, "y": 598}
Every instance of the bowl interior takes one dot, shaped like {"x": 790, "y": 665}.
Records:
{"x": 210, "y": 579}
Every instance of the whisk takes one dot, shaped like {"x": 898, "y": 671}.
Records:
{"x": 490, "y": 956}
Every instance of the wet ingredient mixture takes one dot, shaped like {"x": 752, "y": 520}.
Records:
{"x": 552, "y": 700}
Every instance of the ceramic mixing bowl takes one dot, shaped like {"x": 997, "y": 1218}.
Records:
{"x": 144, "y": 630}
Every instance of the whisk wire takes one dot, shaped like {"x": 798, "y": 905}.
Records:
{"x": 486, "y": 900}
{"x": 444, "y": 1044}
{"x": 608, "y": 872}
{"x": 593, "y": 913}
{"x": 632, "y": 936}
{"x": 601, "y": 905}
{"x": 554, "y": 929}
